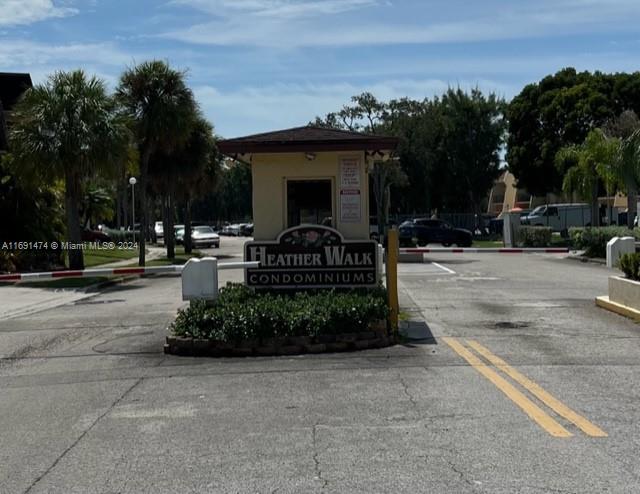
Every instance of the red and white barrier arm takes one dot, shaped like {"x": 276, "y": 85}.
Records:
{"x": 90, "y": 273}
{"x": 478, "y": 250}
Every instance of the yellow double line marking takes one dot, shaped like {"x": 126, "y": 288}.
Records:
{"x": 529, "y": 407}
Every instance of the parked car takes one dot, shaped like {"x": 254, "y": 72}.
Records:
{"x": 95, "y": 236}
{"x": 231, "y": 230}
{"x": 246, "y": 229}
{"x": 178, "y": 234}
{"x": 559, "y": 216}
{"x": 423, "y": 231}
{"x": 201, "y": 236}
{"x": 158, "y": 228}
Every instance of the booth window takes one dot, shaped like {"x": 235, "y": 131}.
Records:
{"x": 309, "y": 201}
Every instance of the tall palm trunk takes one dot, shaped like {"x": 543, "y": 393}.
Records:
{"x": 74, "y": 233}
{"x": 632, "y": 203}
{"x": 169, "y": 234}
{"x": 188, "y": 244}
{"x": 595, "y": 210}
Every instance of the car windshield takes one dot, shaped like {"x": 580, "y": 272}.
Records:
{"x": 203, "y": 229}
{"x": 538, "y": 211}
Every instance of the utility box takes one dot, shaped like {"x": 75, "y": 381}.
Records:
{"x": 511, "y": 222}
{"x": 200, "y": 279}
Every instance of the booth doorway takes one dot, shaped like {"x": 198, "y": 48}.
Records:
{"x": 309, "y": 201}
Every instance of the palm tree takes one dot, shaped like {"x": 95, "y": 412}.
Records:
{"x": 67, "y": 129}
{"x": 627, "y": 167}
{"x": 163, "y": 110}
{"x": 586, "y": 164}
{"x": 187, "y": 171}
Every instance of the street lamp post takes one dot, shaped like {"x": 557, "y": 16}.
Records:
{"x": 133, "y": 182}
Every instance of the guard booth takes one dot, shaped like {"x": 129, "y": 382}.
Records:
{"x": 310, "y": 175}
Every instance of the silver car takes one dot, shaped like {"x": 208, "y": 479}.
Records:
{"x": 201, "y": 236}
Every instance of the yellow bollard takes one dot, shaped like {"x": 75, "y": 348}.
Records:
{"x": 392, "y": 279}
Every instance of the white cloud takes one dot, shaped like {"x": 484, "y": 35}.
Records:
{"x": 29, "y": 53}
{"x": 20, "y": 12}
{"x": 287, "y": 24}
{"x": 248, "y": 110}
{"x": 276, "y": 8}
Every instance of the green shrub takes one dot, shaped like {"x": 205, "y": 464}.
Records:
{"x": 593, "y": 240}
{"x": 241, "y": 313}
{"x": 534, "y": 236}
{"x": 121, "y": 235}
{"x": 630, "y": 265}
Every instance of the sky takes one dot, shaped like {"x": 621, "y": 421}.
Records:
{"x": 261, "y": 65}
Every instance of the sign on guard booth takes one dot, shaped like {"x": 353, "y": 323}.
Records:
{"x": 312, "y": 256}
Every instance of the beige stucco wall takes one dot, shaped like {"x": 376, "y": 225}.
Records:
{"x": 270, "y": 172}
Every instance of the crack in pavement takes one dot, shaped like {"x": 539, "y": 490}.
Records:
{"x": 316, "y": 461}
{"x": 405, "y": 388}
{"x": 75, "y": 443}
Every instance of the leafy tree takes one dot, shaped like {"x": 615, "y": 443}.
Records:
{"x": 96, "y": 205}
{"x": 67, "y": 129}
{"x": 626, "y": 167}
{"x": 163, "y": 111}
{"x": 560, "y": 111}
{"x": 229, "y": 198}
{"x": 448, "y": 147}
{"x": 473, "y": 133}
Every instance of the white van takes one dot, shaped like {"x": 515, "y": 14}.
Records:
{"x": 559, "y": 216}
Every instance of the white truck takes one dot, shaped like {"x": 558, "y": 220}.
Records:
{"x": 559, "y": 216}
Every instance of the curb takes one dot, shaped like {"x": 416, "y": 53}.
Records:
{"x": 108, "y": 283}
{"x": 346, "y": 342}
{"x": 593, "y": 260}
{"x": 619, "y": 309}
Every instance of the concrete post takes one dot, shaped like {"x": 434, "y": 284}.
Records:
{"x": 392, "y": 278}
{"x": 200, "y": 279}
{"x": 511, "y": 224}
{"x": 618, "y": 246}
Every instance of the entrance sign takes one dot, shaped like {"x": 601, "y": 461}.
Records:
{"x": 350, "y": 206}
{"x": 312, "y": 256}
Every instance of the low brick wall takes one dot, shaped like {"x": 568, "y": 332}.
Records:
{"x": 376, "y": 338}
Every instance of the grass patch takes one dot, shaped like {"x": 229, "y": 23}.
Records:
{"x": 487, "y": 243}
{"x": 97, "y": 257}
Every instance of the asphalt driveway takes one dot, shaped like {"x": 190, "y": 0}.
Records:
{"x": 89, "y": 403}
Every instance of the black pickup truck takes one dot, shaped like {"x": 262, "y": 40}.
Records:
{"x": 423, "y": 231}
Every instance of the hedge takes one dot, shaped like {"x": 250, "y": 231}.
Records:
{"x": 630, "y": 265}
{"x": 594, "y": 240}
{"x": 534, "y": 236}
{"x": 241, "y": 313}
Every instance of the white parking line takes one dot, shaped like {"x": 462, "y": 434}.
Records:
{"x": 444, "y": 268}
